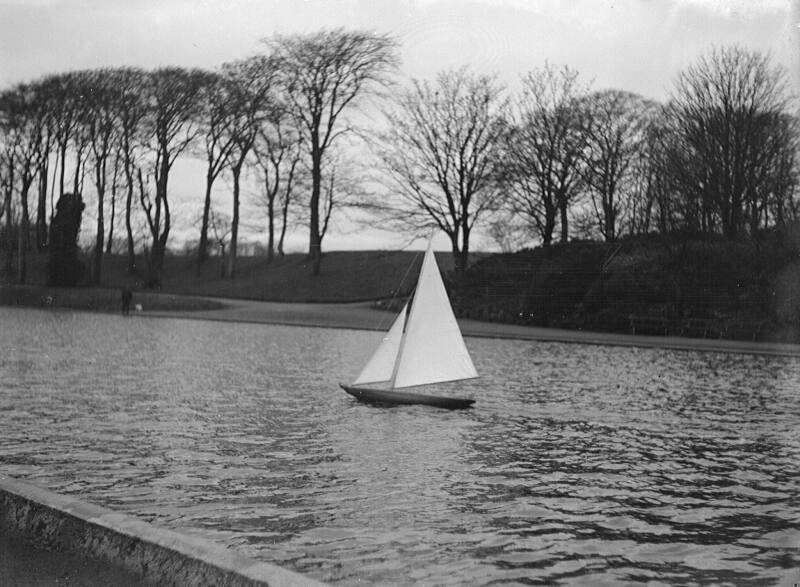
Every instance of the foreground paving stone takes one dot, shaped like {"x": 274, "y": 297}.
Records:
{"x": 54, "y": 522}
{"x": 23, "y": 565}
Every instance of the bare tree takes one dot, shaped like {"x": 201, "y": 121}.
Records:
{"x": 648, "y": 203}
{"x": 43, "y": 169}
{"x": 24, "y": 119}
{"x": 278, "y": 153}
{"x": 544, "y": 152}
{"x": 99, "y": 119}
{"x": 616, "y": 123}
{"x": 64, "y": 107}
{"x": 131, "y": 108}
{"x": 220, "y": 225}
{"x": 250, "y": 86}
{"x": 508, "y": 232}
{"x": 172, "y": 104}
{"x": 79, "y": 134}
{"x": 117, "y": 168}
{"x": 442, "y": 152}
{"x": 10, "y": 121}
{"x": 214, "y": 121}
{"x": 343, "y": 186}
{"x": 782, "y": 180}
{"x": 728, "y": 116}
{"x": 324, "y": 74}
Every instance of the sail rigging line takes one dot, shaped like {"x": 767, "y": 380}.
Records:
{"x": 378, "y": 368}
{"x": 396, "y": 293}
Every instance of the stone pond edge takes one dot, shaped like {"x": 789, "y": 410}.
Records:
{"x": 59, "y": 522}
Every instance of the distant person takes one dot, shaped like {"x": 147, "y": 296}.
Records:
{"x": 127, "y": 296}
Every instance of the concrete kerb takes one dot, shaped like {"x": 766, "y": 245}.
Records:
{"x": 57, "y": 522}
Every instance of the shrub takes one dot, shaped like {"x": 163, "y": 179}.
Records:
{"x": 63, "y": 266}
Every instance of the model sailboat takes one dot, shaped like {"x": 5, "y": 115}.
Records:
{"x": 423, "y": 346}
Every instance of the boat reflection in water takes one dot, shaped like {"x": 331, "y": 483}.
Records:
{"x": 578, "y": 464}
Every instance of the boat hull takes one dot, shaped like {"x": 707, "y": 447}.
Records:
{"x": 392, "y": 396}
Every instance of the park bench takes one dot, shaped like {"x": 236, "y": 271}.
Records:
{"x": 729, "y": 328}
{"x": 738, "y": 329}
{"x": 702, "y": 328}
{"x": 640, "y": 324}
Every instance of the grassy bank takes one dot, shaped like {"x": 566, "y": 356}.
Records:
{"x": 97, "y": 299}
{"x": 700, "y": 287}
{"x": 344, "y": 277}
{"x": 689, "y": 286}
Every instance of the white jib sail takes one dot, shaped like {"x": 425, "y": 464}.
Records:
{"x": 432, "y": 349}
{"x": 381, "y": 365}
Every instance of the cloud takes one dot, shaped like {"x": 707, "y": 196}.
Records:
{"x": 739, "y": 8}
{"x": 632, "y": 44}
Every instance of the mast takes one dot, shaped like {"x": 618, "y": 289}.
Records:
{"x": 410, "y": 307}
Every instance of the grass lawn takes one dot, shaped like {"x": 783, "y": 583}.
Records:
{"x": 716, "y": 287}
{"x": 345, "y": 276}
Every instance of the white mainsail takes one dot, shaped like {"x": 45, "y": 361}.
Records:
{"x": 432, "y": 349}
{"x": 381, "y": 365}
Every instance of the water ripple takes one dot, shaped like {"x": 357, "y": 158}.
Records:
{"x": 580, "y": 464}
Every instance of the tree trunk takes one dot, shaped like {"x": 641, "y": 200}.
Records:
{"x": 9, "y": 232}
{"x": 459, "y": 265}
{"x": 76, "y": 180}
{"x": 725, "y": 213}
{"x": 100, "y": 183}
{"x": 202, "y": 250}
{"x": 129, "y": 228}
{"x": 736, "y": 213}
{"x": 564, "y": 223}
{"x": 285, "y": 200}
{"x": 62, "y": 171}
{"x": 22, "y": 267}
{"x": 779, "y": 212}
{"x": 271, "y": 229}
{"x": 156, "y": 269}
{"x": 53, "y": 194}
{"x": 160, "y": 236}
{"x": 114, "y": 185}
{"x": 549, "y": 224}
{"x": 284, "y": 222}
{"x": 110, "y": 239}
{"x": 462, "y": 262}
{"x": 99, "y": 240}
{"x": 237, "y": 169}
{"x": 27, "y": 180}
{"x": 611, "y": 222}
{"x": 24, "y": 232}
{"x": 128, "y": 206}
{"x": 41, "y": 210}
{"x": 314, "y": 237}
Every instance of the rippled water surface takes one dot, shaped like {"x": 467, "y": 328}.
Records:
{"x": 578, "y": 465}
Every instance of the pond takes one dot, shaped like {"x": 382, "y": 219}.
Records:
{"x": 578, "y": 464}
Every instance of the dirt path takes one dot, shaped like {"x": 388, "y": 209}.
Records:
{"x": 364, "y": 317}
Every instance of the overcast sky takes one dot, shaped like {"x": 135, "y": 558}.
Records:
{"x": 637, "y": 45}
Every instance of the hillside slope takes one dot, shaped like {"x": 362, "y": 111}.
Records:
{"x": 687, "y": 286}
{"x": 345, "y": 276}
{"x": 690, "y": 286}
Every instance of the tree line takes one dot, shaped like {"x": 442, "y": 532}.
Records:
{"x": 554, "y": 160}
